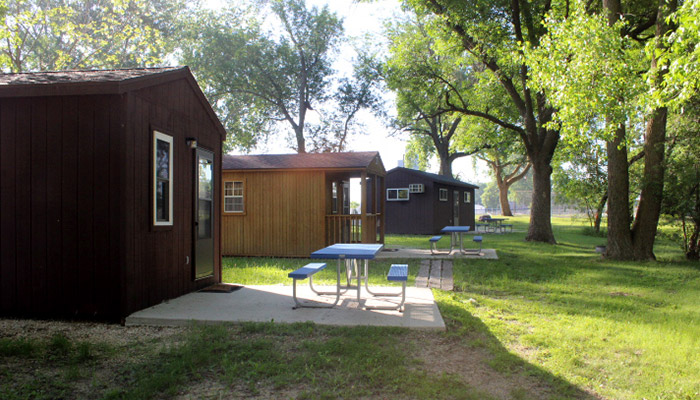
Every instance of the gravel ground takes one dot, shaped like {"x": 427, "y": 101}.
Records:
{"x": 93, "y": 332}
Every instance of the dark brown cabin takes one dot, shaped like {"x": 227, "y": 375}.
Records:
{"x": 109, "y": 202}
{"x": 290, "y": 205}
{"x": 422, "y": 203}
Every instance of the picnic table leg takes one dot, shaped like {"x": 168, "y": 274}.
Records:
{"x": 348, "y": 271}
{"x": 311, "y": 284}
{"x": 377, "y": 294}
{"x": 398, "y": 307}
{"x": 299, "y": 304}
{"x": 359, "y": 279}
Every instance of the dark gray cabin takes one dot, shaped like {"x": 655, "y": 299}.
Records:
{"x": 109, "y": 197}
{"x": 422, "y": 203}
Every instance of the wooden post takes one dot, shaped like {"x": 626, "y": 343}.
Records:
{"x": 382, "y": 208}
{"x": 363, "y": 205}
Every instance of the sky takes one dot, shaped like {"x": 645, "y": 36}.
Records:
{"x": 360, "y": 19}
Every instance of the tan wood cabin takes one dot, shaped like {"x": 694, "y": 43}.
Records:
{"x": 289, "y": 205}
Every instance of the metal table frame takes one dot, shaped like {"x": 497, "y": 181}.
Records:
{"x": 455, "y": 232}
{"x": 350, "y": 254}
{"x": 497, "y": 224}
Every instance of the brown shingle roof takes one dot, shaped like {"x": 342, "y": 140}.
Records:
{"x": 356, "y": 160}
{"x": 59, "y": 77}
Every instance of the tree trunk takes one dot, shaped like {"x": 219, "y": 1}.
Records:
{"x": 619, "y": 245}
{"x": 503, "y": 198}
{"x": 540, "y": 228}
{"x": 599, "y": 212}
{"x": 693, "y": 245}
{"x": 445, "y": 167}
{"x": 649, "y": 209}
{"x": 301, "y": 142}
{"x": 443, "y": 151}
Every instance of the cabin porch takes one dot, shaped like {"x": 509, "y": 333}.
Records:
{"x": 343, "y": 226}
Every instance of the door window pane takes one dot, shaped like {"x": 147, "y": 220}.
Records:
{"x": 204, "y": 227}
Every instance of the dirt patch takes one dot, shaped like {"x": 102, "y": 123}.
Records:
{"x": 441, "y": 354}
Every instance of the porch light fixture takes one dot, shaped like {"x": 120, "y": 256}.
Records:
{"x": 191, "y": 143}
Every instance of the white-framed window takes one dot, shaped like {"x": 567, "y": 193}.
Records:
{"x": 416, "y": 188}
{"x": 443, "y": 194}
{"x": 397, "y": 194}
{"x": 467, "y": 197}
{"x": 233, "y": 197}
{"x": 162, "y": 179}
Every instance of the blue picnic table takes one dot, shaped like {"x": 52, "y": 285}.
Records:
{"x": 456, "y": 232}
{"x": 350, "y": 253}
{"x": 495, "y": 223}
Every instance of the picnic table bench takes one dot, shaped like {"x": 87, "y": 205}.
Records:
{"x": 307, "y": 271}
{"x": 397, "y": 273}
{"x": 433, "y": 245}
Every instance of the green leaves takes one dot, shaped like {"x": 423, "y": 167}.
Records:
{"x": 267, "y": 66}
{"x": 591, "y": 74}
{"x": 682, "y": 59}
{"x": 75, "y": 34}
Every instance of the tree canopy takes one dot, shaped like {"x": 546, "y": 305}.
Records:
{"x": 269, "y": 64}
{"x": 491, "y": 33}
{"x": 77, "y": 34}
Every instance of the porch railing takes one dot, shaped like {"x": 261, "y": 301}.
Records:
{"x": 347, "y": 228}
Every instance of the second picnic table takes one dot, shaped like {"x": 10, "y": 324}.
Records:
{"x": 455, "y": 232}
{"x": 496, "y": 224}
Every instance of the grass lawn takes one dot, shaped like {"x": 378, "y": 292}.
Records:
{"x": 542, "y": 322}
{"x": 621, "y": 330}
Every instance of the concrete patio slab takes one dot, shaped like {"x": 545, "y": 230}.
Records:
{"x": 274, "y": 303}
{"x": 489, "y": 254}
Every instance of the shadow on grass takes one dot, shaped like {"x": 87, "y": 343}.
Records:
{"x": 527, "y": 380}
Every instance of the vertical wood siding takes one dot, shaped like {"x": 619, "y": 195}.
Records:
{"x": 75, "y": 202}
{"x": 56, "y": 231}
{"x": 160, "y": 265}
{"x": 409, "y": 217}
{"x": 284, "y": 214}
{"x": 424, "y": 213}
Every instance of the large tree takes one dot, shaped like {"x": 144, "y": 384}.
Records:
{"x": 507, "y": 168}
{"x": 682, "y": 186}
{"x": 421, "y": 76}
{"x": 492, "y": 33}
{"x": 40, "y": 35}
{"x": 599, "y": 49}
{"x": 267, "y": 65}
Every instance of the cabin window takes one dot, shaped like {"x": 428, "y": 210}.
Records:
{"x": 397, "y": 194}
{"x": 443, "y": 195}
{"x": 162, "y": 179}
{"x": 416, "y": 188}
{"x": 233, "y": 197}
{"x": 467, "y": 197}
